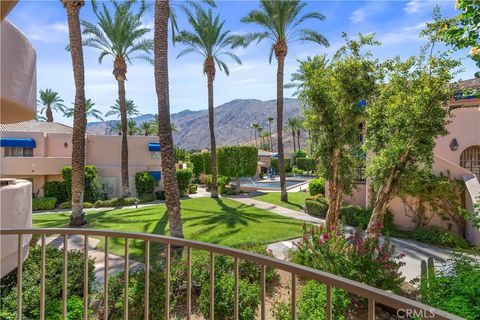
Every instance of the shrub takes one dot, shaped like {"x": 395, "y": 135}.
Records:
{"x": 113, "y": 202}
{"x": 295, "y": 170}
{"x": 316, "y": 206}
{"x": 201, "y": 163}
{"x": 222, "y": 181}
{"x": 316, "y": 186}
{"x": 144, "y": 183}
{"x": 44, "y": 203}
{"x": 311, "y": 304}
{"x": 455, "y": 288}
{"x": 299, "y": 154}
{"x": 87, "y": 205}
{"x": 68, "y": 205}
{"x": 183, "y": 178}
{"x": 128, "y": 201}
{"x": 53, "y": 288}
{"x": 305, "y": 164}
{"x": 274, "y": 164}
{"x": 252, "y": 271}
{"x": 350, "y": 256}
{"x": 160, "y": 195}
{"x": 206, "y": 179}
{"x": 92, "y": 184}
{"x": 247, "y": 303}
{"x": 354, "y": 215}
{"x": 148, "y": 198}
{"x": 55, "y": 189}
{"x": 237, "y": 161}
{"x": 192, "y": 189}
{"x": 438, "y": 236}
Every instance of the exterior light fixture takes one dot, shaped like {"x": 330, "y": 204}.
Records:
{"x": 65, "y": 145}
{"x": 454, "y": 145}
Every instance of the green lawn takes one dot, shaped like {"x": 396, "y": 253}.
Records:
{"x": 296, "y": 200}
{"x": 222, "y": 221}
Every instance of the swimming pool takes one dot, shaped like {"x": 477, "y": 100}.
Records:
{"x": 268, "y": 185}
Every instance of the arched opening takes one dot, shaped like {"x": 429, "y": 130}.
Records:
{"x": 470, "y": 160}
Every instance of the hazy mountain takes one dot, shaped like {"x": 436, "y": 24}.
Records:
{"x": 232, "y": 123}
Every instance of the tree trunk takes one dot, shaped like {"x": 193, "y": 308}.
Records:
{"x": 49, "y": 114}
{"x": 255, "y": 133}
{"x": 298, "y": 138}
{"x": 79, "y": 114}
{"x": 125, "y": 133}
{"x": 172, "y": 195}
{"x": 281, "y": 156}
{"x": 213, "y": 145}
{"x": 270, "y": 136}
{"x": 335, "y": 192}
{"x": 293, "y": 137}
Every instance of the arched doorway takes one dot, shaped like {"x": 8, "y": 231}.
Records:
{"x": 470, "y": 160}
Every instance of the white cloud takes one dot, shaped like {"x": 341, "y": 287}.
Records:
{"x": 50, "y": 33}
{"x": 414, "y": 6}
{"x": 358, "y": 15}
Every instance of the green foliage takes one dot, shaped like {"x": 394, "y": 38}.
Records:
{"x": 144, "y": 183}
{"x": 455, "y": 289}
{"x": 350, "y": 256}
{"x": 299, "y": 154}
{"x": 160, "y": 195}
{"x": 311, "y": 304}
{"x": 127, "y": 201}
{"x": 355, "y": 216}
{"x": 68, "y": 205}
{"x": 92, "y": 184}
{"x": 197, "y": 162}
{"x": 306, "y": 164}
{"x": 222, "y": 182}
{"x": 43, "y": 203}
{"x": 237, "y": 161}
{"x": 148, "y": 198}
{"x": 181, "y": 155}
{"x": 316, "y": 206}
{"x": 192, "y": 189}
{"x": 53, "y": 288}
{"x": 183, "y": 178}
{"x": 55, "y": 189}
{"x": 296, "y": 170}
{"x": 437, "y": 236}
{"x": 112, "y": 202}
{"x": 316, "y": 186}
{"x": 274, "y": 164}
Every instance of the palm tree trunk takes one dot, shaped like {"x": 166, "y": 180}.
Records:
{"x": 124, "y": 153}
{"x": 281, "y": 156}
{"x": 79, "y": 114}
{"x": 213, "y": 145}
{"x": 255, "y": 133}
{"x": 49, "y": 114}
{"x": 172, "y": 195}
{"x": 270, "y": 133}
{"x": 293, "y": 138}
{"x": 298, "y": 138}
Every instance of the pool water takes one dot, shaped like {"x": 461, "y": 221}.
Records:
{"x": 274, "y": 185}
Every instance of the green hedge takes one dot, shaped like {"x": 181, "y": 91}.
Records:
{"x": 202, "y": 163}
{"x": 192, "y": 189}
{"x": 144, "y": 183}
{"x": 355, "y": 216}
{"x": 222, "y": 182}
{"x": 237, "y": 161}
{"x": 92, "y": 184}
{"x": 68, "y": 205}
{"x": 183, "y": 178}
{"x": 316, "y": 186}
{"x": 305, "y": 164}
{"x": 316, "y": 206}
{"x": 55, "y": 189}
{"x": 44, "y": 203}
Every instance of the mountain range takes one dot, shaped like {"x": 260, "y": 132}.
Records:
{"x": 233, "y": 122}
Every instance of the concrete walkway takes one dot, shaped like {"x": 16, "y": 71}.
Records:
{"x": 414, "y": 251}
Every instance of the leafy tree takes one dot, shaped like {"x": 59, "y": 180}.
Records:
{"x": 122, "y": 37}
{"x": 281, "y": 21}
{"x": 90, "y": 110}
{"x": 404, "y": 120}
{"x": 50, "y": 100}
{"x": 116, "y": 109}
{"x": 210, "y": 40}
{"x": 332, "y": 93}
{"x": 237, "y": 162}
{"x": 79, "y": 114}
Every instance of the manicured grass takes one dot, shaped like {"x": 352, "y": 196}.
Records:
{"x": 223, "y": 221}
{"x": 296, "y": 200}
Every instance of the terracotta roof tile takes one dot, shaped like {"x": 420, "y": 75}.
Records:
{"x": 468, "y": 84}
{"x": 36, "y": 126}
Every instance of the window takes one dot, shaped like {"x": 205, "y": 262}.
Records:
{"x": 18, "y": 152}
{"x": 155, "y": 154}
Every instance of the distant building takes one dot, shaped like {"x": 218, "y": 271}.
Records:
{"x": 37, "y": 151}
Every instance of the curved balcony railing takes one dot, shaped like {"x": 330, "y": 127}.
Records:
{"x": 373, "y": 295}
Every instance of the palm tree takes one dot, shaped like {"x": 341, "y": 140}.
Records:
{"x": 91, "y": 111}
{"x": 123, "y": 38}
{"x": 281, "y": 22}
{"x": 131, "y": 109}
{"x": 132, "y": 127}
{"x": 298, "y": 77}
{"x": 147, "y": 128}
{"x": 269, "y": 121}
{"x": 299, "y": 128}
{"x": 255, "y": 127}
{"x": 292, "y": 125}
{"x": 172, "y": 195}
{"x": 260, "y": 131}
{"x": 265, "y": 139}
{"x": 50, "y": 100}
{"x": 117, "y": 128}
{"x": 212, "y": 43}
{"x": 79, "y": 114}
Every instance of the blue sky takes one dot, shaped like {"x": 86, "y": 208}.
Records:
{"x": 396, "y": 24}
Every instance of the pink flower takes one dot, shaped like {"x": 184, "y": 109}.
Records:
{"x": 325, "y": 236}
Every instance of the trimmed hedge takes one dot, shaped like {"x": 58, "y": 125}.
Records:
{"x": 92, "y": 184}
{"x": 316, "y": 186}
{"x": 237, "y": 161}
{"x": 202, "y": 163}
{"x": 113, "y": 202}
{"x": 144, "y": 183}
{"x": 183, "y": 179}
{"x": 55, "y": 189}
{"x": 160, "y": 195}
{"x": 355, "y": 216}
{"x": 148, "y": 198}
{"x": 44, "y": 203}
{"x": 316, "y": 206}
{"x": 68, "y": 205}
{"x": 192, "y": 189}
{"x": 305, "y": 164}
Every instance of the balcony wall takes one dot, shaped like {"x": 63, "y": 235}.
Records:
{"x": 34, "y": 165}
{"x": 18, "y": 84}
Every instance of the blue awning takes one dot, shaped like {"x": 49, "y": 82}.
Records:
{"x": 157, "y": 175}
{"x": 18, "y": 142}
{"x": 362, "y": 103}
{"x": 274, "y": 155}
{"x": 154, "y": 146}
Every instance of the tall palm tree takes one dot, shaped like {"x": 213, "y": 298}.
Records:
{"x": 255, "y": 127}
{"x": 123, "y": 38}
{"x": 50, "y": 100}
{"x": 292, "y": 125}
{"x": 172, "y": 195}
{"x": 281, "y": 21}
{"x": 298, "y": 77}
{"x": 116, "y": 129}
{"x": 132, "y": 127}
{"x": 130, "y": 110}
{"x": 79, "y": 114}
{"x": 299, "y": 129}
{"x": 269, "y": 121}
{"x": 155, "y": 124}
{"x": 146, "y": 128}
{"x": 89, "y": 107}
{"x": 212, "y": 42}
{"x": 265, "y": 139}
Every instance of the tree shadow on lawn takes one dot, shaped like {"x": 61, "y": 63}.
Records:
{"x": 300, "y": 207}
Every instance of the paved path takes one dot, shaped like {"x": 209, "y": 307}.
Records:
{"x": 414, "y": 251}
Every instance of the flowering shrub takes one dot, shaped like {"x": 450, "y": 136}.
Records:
{"x": 350, "y": 256}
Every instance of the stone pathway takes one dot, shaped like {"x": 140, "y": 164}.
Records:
{"x": 414, "y": 251}
{"x": 116, "y": 263}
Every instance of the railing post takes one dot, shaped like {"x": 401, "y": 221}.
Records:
{"x": 65, "y": 276}
{"x": 19, "y": 276}
{"x": 212, "y": 286}
{"x": 294, "y": 296}
{"x": 235, "y": 289}
{"x": 329, "y": 302}
{"x": 85, "y": 278}
{"x": 262, "y": 294}
{"x": 42, "y": 280}
{"x": 147, "y": 280}
{"x": 105, "y": 285}
{"x": 189, "y": 283}
{"x": 125, "y": 303}
{"x": 167, "y": 283}
{"x": 371, "y": 309}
